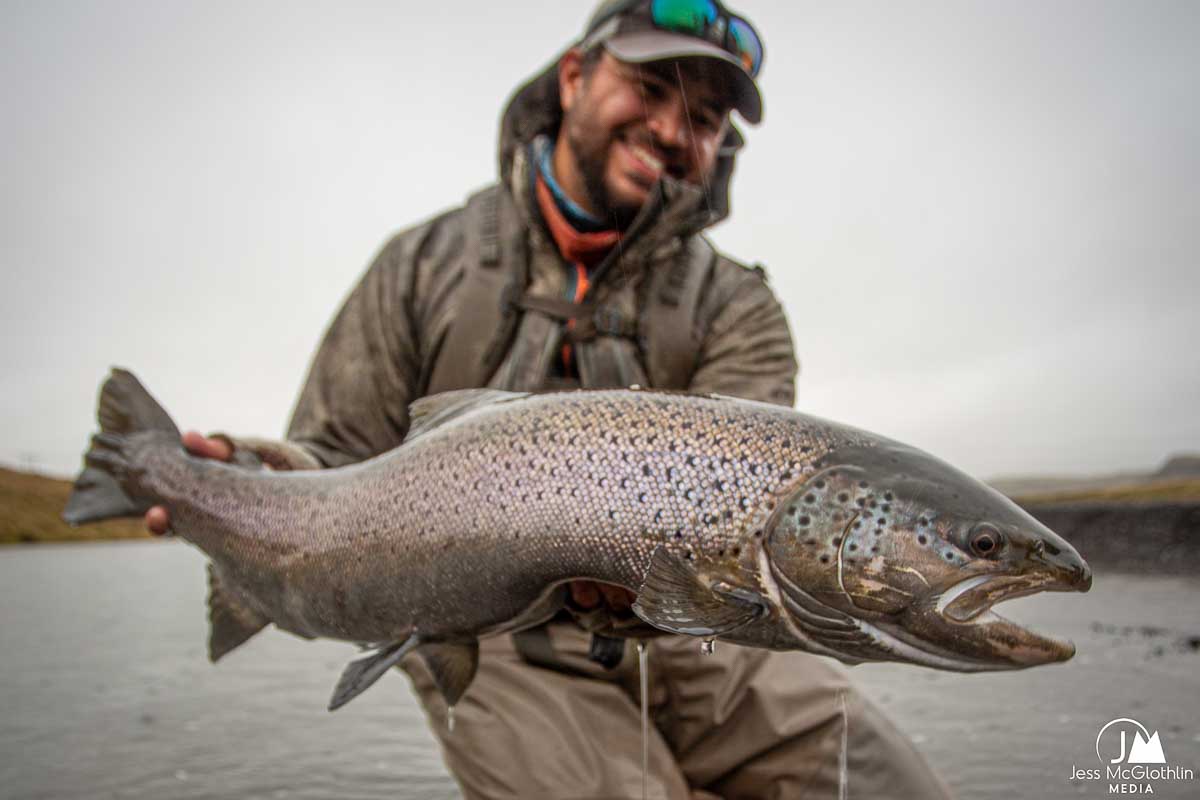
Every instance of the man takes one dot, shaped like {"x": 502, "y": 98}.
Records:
{"x": 585, "y": 267}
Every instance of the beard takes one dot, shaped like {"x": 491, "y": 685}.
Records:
{"x": 591, "y": 157}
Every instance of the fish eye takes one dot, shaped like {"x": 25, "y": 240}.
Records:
{"x": 986, "y": 541}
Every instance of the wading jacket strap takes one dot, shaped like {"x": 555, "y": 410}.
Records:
{"x": 661, "y": 351}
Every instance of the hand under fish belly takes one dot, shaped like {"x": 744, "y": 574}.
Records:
{"x": 726, "y": 518}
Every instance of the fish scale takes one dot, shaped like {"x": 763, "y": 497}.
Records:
{"x": 727, "y": 517}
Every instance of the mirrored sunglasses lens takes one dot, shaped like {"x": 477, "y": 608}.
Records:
{"x": 685, "y": 16}
{"x": 746, "y": 44}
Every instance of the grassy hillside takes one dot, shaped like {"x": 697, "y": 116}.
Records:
{"x": 29, "y": 512}
{"x": 1163, "y": 490}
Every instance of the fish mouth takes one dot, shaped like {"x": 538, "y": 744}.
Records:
{"x": 962, "y": 618}
{"x": 953, "y": 629}
{"x": 972, "y": 597}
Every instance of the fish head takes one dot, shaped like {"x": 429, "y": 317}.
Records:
{"x": 886, "y": 553}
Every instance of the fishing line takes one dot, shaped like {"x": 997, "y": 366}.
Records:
{"x": 687, "y": 113}
{"x": 843, "y": 757}
{"x": 644, "y": 678}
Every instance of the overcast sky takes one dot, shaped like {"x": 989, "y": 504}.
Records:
{"x": 982, "y": 217}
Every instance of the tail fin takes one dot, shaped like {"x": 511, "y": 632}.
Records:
{"x": 125, "y": 409}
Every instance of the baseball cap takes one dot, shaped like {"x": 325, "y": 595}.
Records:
{"x": 640, "y": 31}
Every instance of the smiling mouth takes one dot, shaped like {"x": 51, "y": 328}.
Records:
{"x": 650, "y": 163}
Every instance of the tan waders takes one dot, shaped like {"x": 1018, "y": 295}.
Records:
{"x": 739, "y": 723}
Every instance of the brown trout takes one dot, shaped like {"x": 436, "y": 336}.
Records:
{"x": 730, "y": 519}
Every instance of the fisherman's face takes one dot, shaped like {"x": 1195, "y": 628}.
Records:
{"x": 626, "y": 125}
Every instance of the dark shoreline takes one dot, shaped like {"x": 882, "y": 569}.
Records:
{"x": 1161, "y": 537}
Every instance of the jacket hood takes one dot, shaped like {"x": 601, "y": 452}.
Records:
{"x": 534, "y": 109}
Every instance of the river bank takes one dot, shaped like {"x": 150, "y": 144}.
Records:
{"x": 30, "y": 505}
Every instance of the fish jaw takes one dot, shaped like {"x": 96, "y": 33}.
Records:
{"x": 961, "y": 619}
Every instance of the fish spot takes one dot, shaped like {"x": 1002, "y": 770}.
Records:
{"x": 820, "y": 484}
{"x": 851, "y": 546}
{"x": 837, "y": 541}
{"x": 863, "y": 484}
{"x": 678, "y": 534}
{"x": 824, "y": 558}
{"x": 923, "y": 539}
{"x": 810, "y": 498}
{"x": 804, "y": 520}
{"x": 888, "y": 496}
{"x": 843, "y": 497}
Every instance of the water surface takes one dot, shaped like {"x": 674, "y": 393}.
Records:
{"x": 106, "y": 692}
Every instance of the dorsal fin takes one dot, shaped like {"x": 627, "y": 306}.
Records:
{"x": 436, "y": 410}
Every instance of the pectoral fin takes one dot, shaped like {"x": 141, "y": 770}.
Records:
{"x": 359, "y": 675}
{"x": 452, "y": 665}
{"x": 676, "y": 598}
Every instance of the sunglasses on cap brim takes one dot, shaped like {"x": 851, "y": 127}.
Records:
{"x": 704, "y": 19}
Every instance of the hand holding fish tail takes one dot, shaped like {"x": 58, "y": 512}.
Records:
{"x": 158, "y": 521}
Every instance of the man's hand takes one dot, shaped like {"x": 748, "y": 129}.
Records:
{"x": 587, "y": 595}
{"x": 157, "y": 519}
